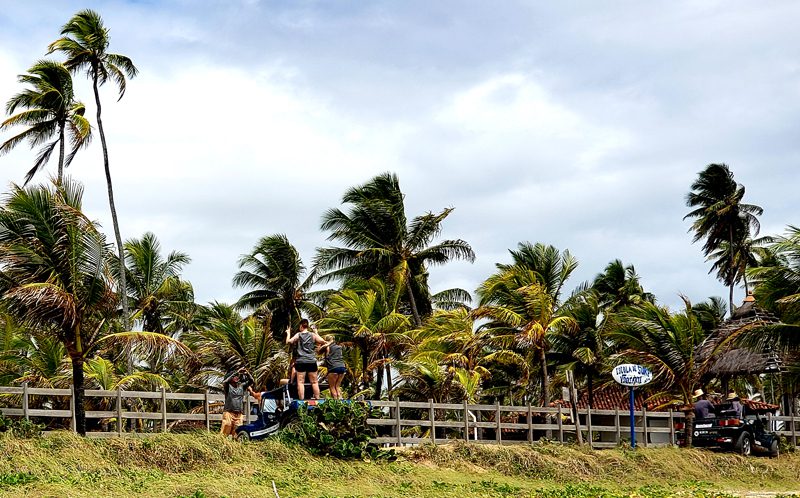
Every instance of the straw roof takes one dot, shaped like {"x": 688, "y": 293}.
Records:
{"x": 738, "y": 361}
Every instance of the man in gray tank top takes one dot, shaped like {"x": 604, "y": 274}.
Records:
{"x": 306, "y": 359}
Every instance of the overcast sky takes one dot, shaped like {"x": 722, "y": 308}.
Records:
{"x": 577, "y": 124}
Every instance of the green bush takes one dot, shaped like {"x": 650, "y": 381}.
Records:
{"x": 336, "y": 428}
{"x": 20, "y": 428}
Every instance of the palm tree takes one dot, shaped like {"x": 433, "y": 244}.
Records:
{"x": 732, "y": 261}
{"x": 378, "y": 241}
{"x": 522, "y": 302}
{"x": 54, "y": 263}
{"x": 650, "y": 335}
{"x": 777, "y": 276}
{"x": 230, "y": 342}
{"x": 155, "y": 283}
{"x": 710, "y": 313}
{"x": 618, "y": 286}
{"x": 84, "y": 42}
{"x": 365, "y": 316}
{"x": 720, "y": 216}
{"x": 51, "y": 113}
{"x": 275, "y": 272}
{"x": 584, "y": 348}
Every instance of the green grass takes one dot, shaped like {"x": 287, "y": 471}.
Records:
{"x": 205, "y": 465}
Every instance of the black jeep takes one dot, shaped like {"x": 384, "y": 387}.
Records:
{"x": 744, "y": 434}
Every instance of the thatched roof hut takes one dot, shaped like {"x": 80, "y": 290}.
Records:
{"x": 727, "y": 360}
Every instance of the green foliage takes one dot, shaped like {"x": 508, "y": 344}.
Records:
{"x": 336, "y": 428}
{"x": 22, "y": 429}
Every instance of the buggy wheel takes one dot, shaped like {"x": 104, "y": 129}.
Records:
{"x": 243, "y": 436}
{"x": 744, "y": 446}
{"x": 289, "y": 421}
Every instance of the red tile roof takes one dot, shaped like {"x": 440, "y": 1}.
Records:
{"x": 611, "y": 398}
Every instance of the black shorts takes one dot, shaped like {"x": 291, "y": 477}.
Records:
{"x": 305, "y": 367}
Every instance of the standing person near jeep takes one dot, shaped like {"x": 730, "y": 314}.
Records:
{"x": 236, "y": 385}
{"x": 336, "y": 367}
{"x": 306, "y": 363}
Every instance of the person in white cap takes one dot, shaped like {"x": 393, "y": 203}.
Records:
{"x": 702, "y": 407}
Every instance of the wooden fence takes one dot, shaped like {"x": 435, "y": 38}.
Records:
{"x": 404, "y": 423}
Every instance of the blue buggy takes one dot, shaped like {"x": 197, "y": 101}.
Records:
{"x": 276, "y": 410}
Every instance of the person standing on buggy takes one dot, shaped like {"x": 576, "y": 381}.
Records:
{"x": 334, "y": 362}
{"x": 306, "y": 363}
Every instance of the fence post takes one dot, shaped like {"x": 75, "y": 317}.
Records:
{"x": 397, "y": 419}
{"x": 432, "y": 418}
{"x": 794, "y": 431}
{"x": 25, "y": 401}
{"x": 530, "y": 423}
{"x": 589, "y": 426}
{"x": 616, "y": 425}
{"x": 499, "y": 436}
{"x": 119, "y": 411}
{"x": 644, "y": 424}
{"x": 73, "y": 422}
{"x": 466, "y": 422}
{"x": 163, "y": 409}
{"x": 206, "y": 410}
{"x": 671, "y": 428}
{"x": 560, "y": 425}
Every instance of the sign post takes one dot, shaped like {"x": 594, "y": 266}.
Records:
{"x": 631, "y": 375}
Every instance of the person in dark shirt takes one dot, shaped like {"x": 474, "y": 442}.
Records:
{"x": 736, "y": 405}
{"x": 235, "y": 385}
{"x": 334, "y": 361}
{"x": 306, "y": 362}
{"x": 702, "y": 407}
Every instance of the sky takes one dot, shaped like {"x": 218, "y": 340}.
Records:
{"x": 579, "y": 124}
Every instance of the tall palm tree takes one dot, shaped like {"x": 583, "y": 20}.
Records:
{"x": 379, "y": 241}
{"x": 51, "y": 113}
{"x": 732, "y": 261}
{"x": 85, "y": 43}
{"x": 276, "y": 273}
{"x": 618, "y": 286}
{"x": 650, "y": 335}
{"x": 522, "y": 302}
{"x": 54, "y": 263}
{"x": 154, "y": 282}
{"x": 720, "y": 215}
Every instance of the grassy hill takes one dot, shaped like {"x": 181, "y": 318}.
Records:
{"x": 205, "y": 465}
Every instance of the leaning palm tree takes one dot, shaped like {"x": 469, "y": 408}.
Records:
{"x": 720, "y": 215}
{"x": 85, "y": 42}
{"x": 54, "y": 265}
{"x": 51, "y": 114}
{"x": 277, "y": 277}
{"x": 378, "y": 241}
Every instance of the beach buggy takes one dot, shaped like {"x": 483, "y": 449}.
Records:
{"x": 276, "y": 410}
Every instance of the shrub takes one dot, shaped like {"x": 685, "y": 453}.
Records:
{"x": 335, "y": 428}
{"x": 21, "y": 428}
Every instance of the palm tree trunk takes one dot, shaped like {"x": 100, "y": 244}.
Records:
{"x": 123, "y": 286}
{"x": 78, "y": 388}
{"x": 388, "y": 380}
{"x": 413, "y": 302}
{"x": 731, "y": 264}
{"x": 545, "y": 379}
{"x": 689, "y": 428}
{"x": 61, "y": 153}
